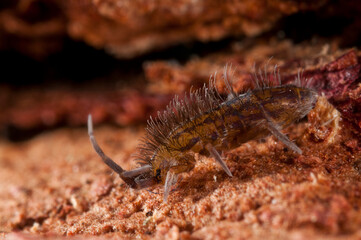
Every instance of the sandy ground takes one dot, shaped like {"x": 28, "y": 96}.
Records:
{"x": 55, "y": 184}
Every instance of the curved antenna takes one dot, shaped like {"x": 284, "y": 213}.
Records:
{"x": 107, "y": 160}
{"x": 129, "y": 177}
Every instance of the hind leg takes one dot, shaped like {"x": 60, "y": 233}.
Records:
{"x": 283, "y": 138}
{"x": 274, "y": 129}
{"x": 215, "y": 154}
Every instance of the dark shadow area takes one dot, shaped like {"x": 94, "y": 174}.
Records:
{"x": 304, "y": 26}
{"x": 79, "y": 63}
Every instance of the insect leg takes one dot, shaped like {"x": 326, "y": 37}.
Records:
{"x": 272, "y": 127}
{"x": 170, "y": 180}
{"x": 218, "y": 158}
{"x": 283, "y": 138}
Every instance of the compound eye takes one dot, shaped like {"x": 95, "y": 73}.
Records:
{"x": 158, "y": 174}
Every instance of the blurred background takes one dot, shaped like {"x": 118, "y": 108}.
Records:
{"x": 124, "y": 60}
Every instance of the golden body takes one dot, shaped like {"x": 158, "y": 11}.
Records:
{"x": 234, "y": 122}
{"x": 206, "y": 123}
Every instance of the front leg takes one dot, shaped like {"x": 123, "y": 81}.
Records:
{"x": 181, "y": 163}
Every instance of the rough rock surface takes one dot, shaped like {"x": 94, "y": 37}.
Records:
{"x": 55, "y": 184}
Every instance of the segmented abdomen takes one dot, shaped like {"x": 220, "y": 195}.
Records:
{"x": 242, "y": 118}
{"x": 234, "y": 122}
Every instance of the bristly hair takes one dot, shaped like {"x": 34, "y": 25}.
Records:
{"x": 196, "y": 103}
{"x": 262, "y": 79}
{"x": 177, "y": 113}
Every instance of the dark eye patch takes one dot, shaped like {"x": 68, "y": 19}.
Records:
{"x": 157, "y": 174}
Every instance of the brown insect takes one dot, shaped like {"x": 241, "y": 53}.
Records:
{"x": 204, "y": 122}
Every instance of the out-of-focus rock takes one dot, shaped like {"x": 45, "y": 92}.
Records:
{"x": 324, "y": 121}
{"x": 130, "y": 28}
{"x": 33, "y": 27}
